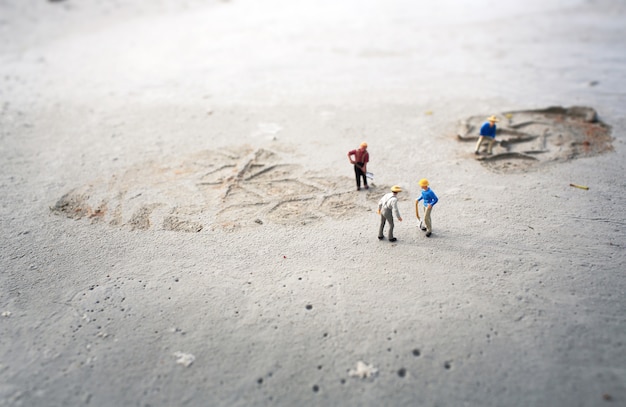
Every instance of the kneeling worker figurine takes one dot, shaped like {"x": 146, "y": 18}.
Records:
{"x": 430, "y": 199}
{"x": 386, "y": 206}
{"x": 488, "y": 134}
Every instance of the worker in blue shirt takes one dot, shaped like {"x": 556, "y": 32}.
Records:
{"x": 487, "y": 133}
{"x": 430, "y": 199}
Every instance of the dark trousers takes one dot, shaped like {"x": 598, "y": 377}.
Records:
{"x": 358, "y": 172}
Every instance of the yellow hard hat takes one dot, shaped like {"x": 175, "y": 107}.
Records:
{"x": 363, "y": 145}
{"x": 396, "y": 188}
{"x": 423, "y": 182}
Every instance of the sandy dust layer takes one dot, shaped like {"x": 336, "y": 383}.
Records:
{"x": 247, "y": 187}
{"x": 532, "y": 138}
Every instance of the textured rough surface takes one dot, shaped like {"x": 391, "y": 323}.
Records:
{"x": 239, "y": 188}
{"x": 181, "y": 226}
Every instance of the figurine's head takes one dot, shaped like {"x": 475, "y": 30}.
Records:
{"x": 423, "y": 182}
{"x": 492, "y": 119}
{"x": 363, "y": 145}
{"x": 396, "y": 189}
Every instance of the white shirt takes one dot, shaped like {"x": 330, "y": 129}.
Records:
{"x": 389, "y": 201}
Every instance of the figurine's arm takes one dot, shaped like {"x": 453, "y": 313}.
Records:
{"x": 350, "y": 154}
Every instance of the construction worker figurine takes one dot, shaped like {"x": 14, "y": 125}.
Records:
{"x": 430, "y": 199}
{"x": 361, "y": 158}
{"x": 387, "y": 205}
{"x": 488, "y": 134}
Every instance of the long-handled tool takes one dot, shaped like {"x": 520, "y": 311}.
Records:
{"x": 367, "y": 173}
{"x": 417, "y": 213}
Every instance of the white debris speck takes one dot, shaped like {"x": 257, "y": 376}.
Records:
{"x": 6, "y": 313}
{"x": 185, "y": 359}
{"x": 363, "y": 370}
{"x": 267, "y": 129}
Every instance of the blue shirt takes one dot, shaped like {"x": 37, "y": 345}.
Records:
{"x": 488, "y": 131}
{"x": 429, "y": 197}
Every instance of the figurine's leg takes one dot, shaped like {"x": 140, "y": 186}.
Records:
{"x": 427, "y": 221}
{"x": 492, "y": 141}
{"x": 478, "y": 143}
{"x": 358, "y": 177}
{"x": 389, "y": 214}
{"x": 361, "y": 174}
{"x": 382, "y": 227}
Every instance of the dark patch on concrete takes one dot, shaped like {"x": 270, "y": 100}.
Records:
{"x": 529, "y": 139}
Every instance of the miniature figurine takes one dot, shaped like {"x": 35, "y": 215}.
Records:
{"x": 361, "y": 158}
{"x": 430, "y": 199}
{"x": 487, "y": 133}
{"x": 386, "y": 206}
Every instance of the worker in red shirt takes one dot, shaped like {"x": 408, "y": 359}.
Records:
{"x": 360, "y": 160}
